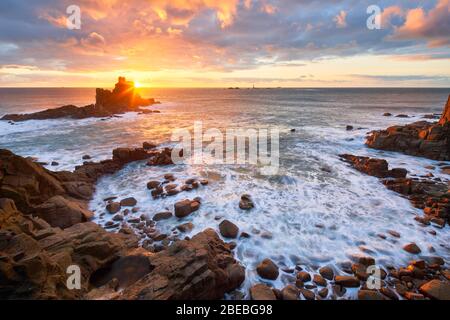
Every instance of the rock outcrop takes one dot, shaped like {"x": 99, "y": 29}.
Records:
{"x": 430, "y": 195}
{"x": 123, "y": 98}
{"x": 59, "y": 197}
{"x": 48, "y": 231}
{"x": 200, "y": 268}
{"x": 34, "y": 256}
{"x": 424, "y": 139}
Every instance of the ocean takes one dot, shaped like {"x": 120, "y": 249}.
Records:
{"x": 316, "y": 211}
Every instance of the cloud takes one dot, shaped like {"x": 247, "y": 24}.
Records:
{"x": 432, "y": 26}
{"x": 215, "y": 36}
{"x": 341, "y": 19}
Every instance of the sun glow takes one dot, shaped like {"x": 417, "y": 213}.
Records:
{"x": 137, "y": 84}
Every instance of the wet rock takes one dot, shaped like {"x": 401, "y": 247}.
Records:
{"x": 319, "y": 280}
{"x": 304, "y": 276}
{"x": 327, "y": 273}
{"x": 389, "y": 293}
{"x": 289, "y": 292}
{"x": 113, "y": 207}
{"x": 204, "y": 182}
{"x": 323, "y": 293}
{"x": 373, "y": 167}
{"x": 308, "y": 294}
{"x": 413, "y": 296}
{"x": 349, "y": 128}
{"x": 153, "y": 184}
{"x": 436, "y": 289}
{"x": 185, "y": 207}
{"x": 394, "y": 233}
{"x": 369, "y": 295}
{"x": 169, "y": 177}
{"x": 266, "y": 235}
{"x": 205, "y": 270}
{"x": 128, "y": 202}
{"x": 246, "y": 202}
{"x": 412, "y": 248}
{"x": 118, "y": 217}
{"x": 86, "y": 157}
{"x": 262, "y": 292}
{"x": 162, "y": 216}
{"x": 161, "y": 158}
{"x": 228, "y": 229}
{"x": 267, "y": 269}
{"x": 54, "y": 163}
{"x": 185, "y": 227}
{"x": 347, "y": 281}
{"x": 387, "y": 114}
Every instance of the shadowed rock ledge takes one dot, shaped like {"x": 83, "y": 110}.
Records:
{"x": 123, "y": 98}
{"x": 424, "y": 139}
{"x": 44, "y": 228}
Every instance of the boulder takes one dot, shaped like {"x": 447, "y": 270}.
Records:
{"x": 267, "y": 269}
{"x": 327, "y": 273}
{"x": 246, "y": 202}
{"x": 202, "y": 268}
{"x": 370, "y": 295}
{"x": 289, "y": 292}
{"x": 262, "y": 292}
{"x": 436, "y": 289}
{"x": 113, "y": 207}
{"x": 185, "y": 227}
{"x": 62, "y": 213}
{"x": 128, "y": 202}
{"x": 153, "y": 184}
{"x": 412, "y": 248}
{"x": 228, "y": 229}
{"x": 185, "y": 207}
{"x": 347, "y": 281}
{"x": 162, "y": 216}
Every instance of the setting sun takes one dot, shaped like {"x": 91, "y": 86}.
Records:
{"x": 137, "y": 84}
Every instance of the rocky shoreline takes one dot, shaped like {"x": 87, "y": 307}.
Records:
{"x": 123, "y": 98}
{"x": 423, "y": 139}
{"x": 45, "y": 228}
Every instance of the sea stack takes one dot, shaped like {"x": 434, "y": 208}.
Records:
{"x": 423, "y": 139}
{"x": 123, "y": 98}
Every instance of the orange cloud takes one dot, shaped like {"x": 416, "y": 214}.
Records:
{"x": 341, "y": 19}
{"x": 389, "y": 13}
{"x": 431, "y": 26}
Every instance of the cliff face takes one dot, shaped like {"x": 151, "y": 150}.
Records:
{"x": 423, "y": 139}
{"x": 446, "y": 115}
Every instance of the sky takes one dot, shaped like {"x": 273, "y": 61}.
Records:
{"x": 222, "y": 43}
